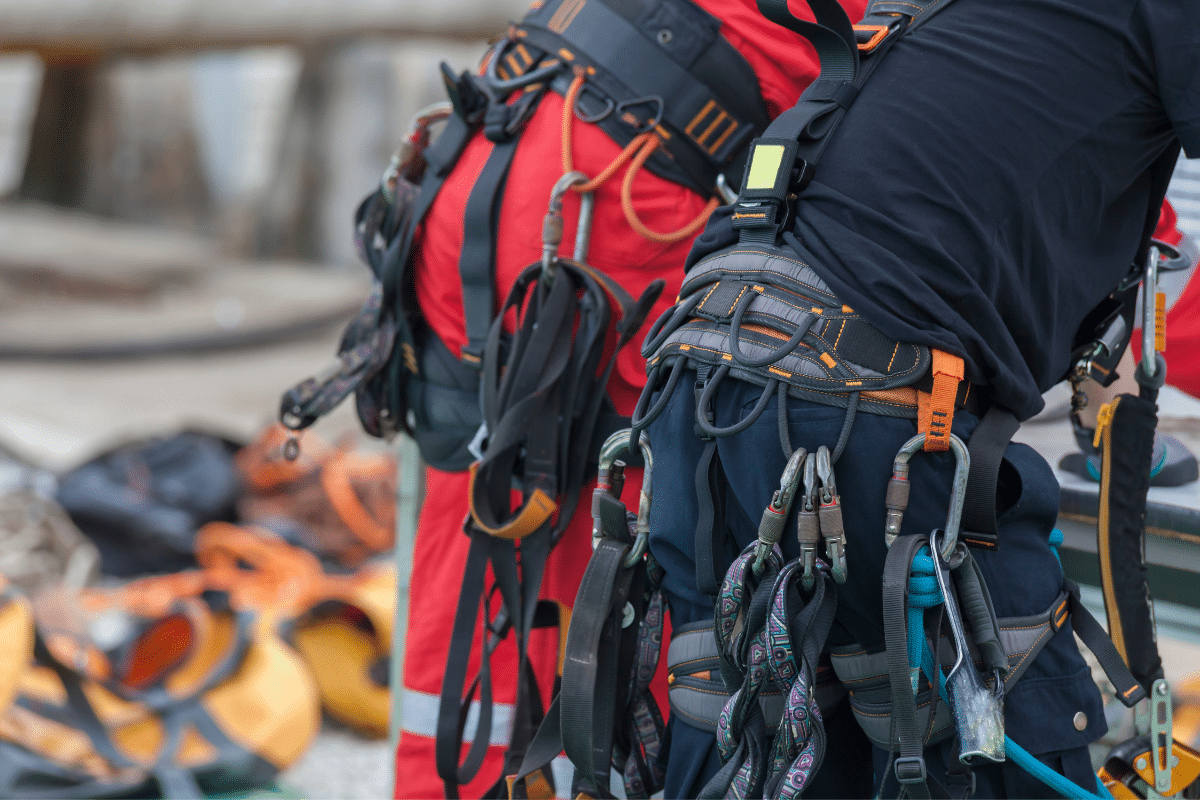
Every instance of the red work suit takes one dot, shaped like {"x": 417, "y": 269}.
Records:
{"x": 784, "y": 64}
{"x": 1183, "y": 319}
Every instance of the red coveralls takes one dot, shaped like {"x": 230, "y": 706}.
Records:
{"x": 784, "y": 64}
{"x": 1183, "y": 320}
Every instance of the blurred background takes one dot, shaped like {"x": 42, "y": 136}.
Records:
{"x": 177, "y": 184}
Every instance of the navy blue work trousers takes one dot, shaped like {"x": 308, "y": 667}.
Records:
{"x": 1023, "y": 574}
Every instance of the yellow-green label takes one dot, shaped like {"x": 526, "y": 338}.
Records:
{"x": 764, "y": 166}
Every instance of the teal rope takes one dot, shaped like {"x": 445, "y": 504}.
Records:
{"x": 924, "y": 592}
{"x": 1056, "y": 539}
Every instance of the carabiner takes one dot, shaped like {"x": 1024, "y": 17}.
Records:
{"x": 898, "y": 488}
{"x": 616, "y": 445}
{"x": 808, "y": 525}
{"x": 833, "y": 531}
{"x": 552, "y": 225}
{"x": 770, "y": 528}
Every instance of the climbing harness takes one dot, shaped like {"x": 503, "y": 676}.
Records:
{"x": 543, "y": 400}
{"x": 605, "y": 717}
{"x": 657, "y": 78}
{"x": 527, "y": 410}
{"x": 757, "y": 312}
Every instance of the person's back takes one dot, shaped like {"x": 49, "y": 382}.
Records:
{"x": 988, "y": 187}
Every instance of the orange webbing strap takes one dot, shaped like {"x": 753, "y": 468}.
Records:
{"x": 532, "y": 516}
{"x": 935, "y": 409}
{"x": 537, "y": 787}
{"x": 643, "y": 145}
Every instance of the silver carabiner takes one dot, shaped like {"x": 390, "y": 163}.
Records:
{"x": 770, "y": 528}
{"x": 615, "y": 445}
{"x": 898, "y": 488}
{"x": 833, "y": 531}
{"x": 808, "y": 525}
{"x": 552, "y": 225}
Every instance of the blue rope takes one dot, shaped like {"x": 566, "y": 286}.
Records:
{"x": 1056, "y": 539}
{"x": 923, "y": 593}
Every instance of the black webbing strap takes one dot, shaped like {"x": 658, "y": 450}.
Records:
{"x": 803, "y": 132}
{"x": 1127, "y": 446}
{"x": 477, "y": 260}
{"x": 910, "y": 766}
{"x": 1129, "y": 691}
{"x": 986, "y": 447}
{"x": 662, "y": 65}
{"x": 591, "y": 668}
{"x": 712, "y": 537}
{"x": 452, "y": 708}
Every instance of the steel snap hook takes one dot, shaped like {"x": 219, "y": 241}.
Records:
{"x": 808, "y": 525}
{"x": 833, "y": 531}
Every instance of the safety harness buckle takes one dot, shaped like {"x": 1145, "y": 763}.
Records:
{"x": 875, "y": 30}
{"x": 910, "y": 770}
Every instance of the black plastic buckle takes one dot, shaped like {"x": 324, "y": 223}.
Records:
{"x": 961, "y": 784}
{"x": 911, "y": 769}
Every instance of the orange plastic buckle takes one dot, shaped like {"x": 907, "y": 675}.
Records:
{"x": 881, "y": 33}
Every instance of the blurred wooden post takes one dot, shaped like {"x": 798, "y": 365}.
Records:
{"x": 410, "y": 492}
{"x": 53, "y": 167}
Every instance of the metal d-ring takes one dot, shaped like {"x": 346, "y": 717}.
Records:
{"x": 735, "y": 335}
{"x": 592, "y": 119}
{"x": 649, "y": 100}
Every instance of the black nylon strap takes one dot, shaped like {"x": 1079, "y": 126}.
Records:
{"x": 986, "y": 447}
{"x": 477, "y": 260}
{"x": 1129, "y": 691}
{"x": 711, "y": 534}
{"x": 583, "y": 734}
{"x": 452, "y": 709}
{"x": 910, "y": 767}
{"x": 1126, "y": 454}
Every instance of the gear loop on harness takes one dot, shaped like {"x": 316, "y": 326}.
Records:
{"x": 642, "y": 417}
{"x": 735, "y": 334}
{"x": 706, "y": 396}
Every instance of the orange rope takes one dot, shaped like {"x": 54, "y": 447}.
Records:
{"x": 631, "y": 214}
{"x": 636, "y": 153}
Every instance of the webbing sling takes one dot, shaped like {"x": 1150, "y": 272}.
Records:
{"x": 541, "y": 412}
{"x": 665, "y": 68}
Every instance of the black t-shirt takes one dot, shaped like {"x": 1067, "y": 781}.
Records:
{"x": 990, "y": 184}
